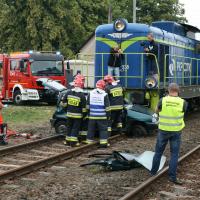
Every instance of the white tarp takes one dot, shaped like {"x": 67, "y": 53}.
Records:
{"x": 52, "y": 84}
{"x": 144, "y": 159}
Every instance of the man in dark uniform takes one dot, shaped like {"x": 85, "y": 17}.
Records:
{"x": 115, "y": 61}
{"x": 115, "y": 94}
{"x": 151, "y": 48}
{"x": 74, "y": 103}
{"x": 99, "y": 113}
{"x": 171, "y": 111}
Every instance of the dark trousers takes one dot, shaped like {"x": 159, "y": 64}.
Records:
{"x": 174, "y": 139}
{"x": 151, "y": 66}
{"x": 73, "y": 128}
{"x": 116, "y": 119}
{"x": 3, "y": 133}
{"x": 99, "y": 125}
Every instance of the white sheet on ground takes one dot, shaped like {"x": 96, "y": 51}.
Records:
{"x": 144, "y": 159}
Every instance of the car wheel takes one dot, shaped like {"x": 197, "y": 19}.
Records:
{"x": 139, "y": 130}
{"x": 18, "y": 98}
{"x": 61, "y": 128}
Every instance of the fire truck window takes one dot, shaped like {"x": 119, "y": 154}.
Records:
{"x": 13, "y": 65}
{"x": 25, "y": 65}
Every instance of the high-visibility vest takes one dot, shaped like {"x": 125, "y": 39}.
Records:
{"x": 97, "y": 105}
{"x": 171, "y": 117}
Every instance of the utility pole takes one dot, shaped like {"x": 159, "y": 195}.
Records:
{"x": 109, "y": 13}
{"x": 134, "y": 11}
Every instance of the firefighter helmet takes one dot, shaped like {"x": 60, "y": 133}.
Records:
{"x": 78, "y": 83}
{"x": 108, "y": 79}
{"x": 101, "y": 84}
{"x": 80, "y": 76}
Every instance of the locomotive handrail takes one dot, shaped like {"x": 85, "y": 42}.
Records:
{"x": 183, "y": 77}
{"x": 141, "y": 76}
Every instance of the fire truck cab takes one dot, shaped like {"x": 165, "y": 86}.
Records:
{"x": 21, "y": 72}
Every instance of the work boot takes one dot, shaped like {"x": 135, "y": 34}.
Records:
{"x": 176, "y": 181}
{"x": 75, "y": 144}
{"x": 67, "y": 143}
{"x": 104, "y": 145}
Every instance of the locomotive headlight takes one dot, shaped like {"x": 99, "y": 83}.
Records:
{"x": 119, "y": 25}
{"x": 151, "y": 82}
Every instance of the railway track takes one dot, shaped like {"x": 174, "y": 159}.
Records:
{"x": 157, "y": 188}
{"x": 25, "y": 158}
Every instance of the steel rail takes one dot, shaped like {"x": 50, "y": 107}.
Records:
{"x": 16, "y": 148}
{"x": 52, "y": 160}
{"x": 144, "y": 187}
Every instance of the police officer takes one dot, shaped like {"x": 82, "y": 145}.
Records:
{"x": 171, "y": 111}
{"x": 75, "y": 106}
{"x": 99, "y": 113}
{"x": 115, "y": 94}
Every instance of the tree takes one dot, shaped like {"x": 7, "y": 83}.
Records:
{"x": 65, "y": 24}
{"x": 149, "y": 10}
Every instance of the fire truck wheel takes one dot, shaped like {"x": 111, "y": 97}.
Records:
{"x": 17, "y": 97}
{"x": 61, "y": 127}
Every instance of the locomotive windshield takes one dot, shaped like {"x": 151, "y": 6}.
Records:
{"x": 47, "y": 68}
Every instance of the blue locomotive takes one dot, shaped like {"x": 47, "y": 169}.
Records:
{"x": 178, "y": 58}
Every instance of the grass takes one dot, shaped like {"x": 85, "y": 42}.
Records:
{"x": 17, "y": 116}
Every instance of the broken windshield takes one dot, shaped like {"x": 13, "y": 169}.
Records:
{"x": 47, "y": 68}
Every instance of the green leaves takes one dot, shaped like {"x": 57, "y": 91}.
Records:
{"x": 65, "y": 24}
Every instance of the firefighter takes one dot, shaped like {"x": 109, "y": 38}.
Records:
{"x": 3, "y": 126}
{"x": 84, "y": 124}
{"x": 99, "y": 113}
{"x": 75, "y": 106}
{"x": 115, "y": 94}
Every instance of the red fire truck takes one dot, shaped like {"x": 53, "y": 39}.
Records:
{"x": 23, "y": 74}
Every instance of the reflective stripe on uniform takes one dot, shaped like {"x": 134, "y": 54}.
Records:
{"x": 108, "y": 109}
{"x": 97, "y": 109}
{"x": 103, "y": 141}
{"x": 170, "y": 124}
{"x": 98, "y": 117}
{"x": 84, "y": 110}
{"x": 73, "y": 139}
{"x": 109, "y": 129}
{"x": 74, "y": 115}
{"x": 97, "y": 113}
{"x": 83, "y": 133}
{"x": 172, "y": 118}
{"x": 116, "y": 107}
{"x": 89, "y": 141}
{"x": 119, "y": 125}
